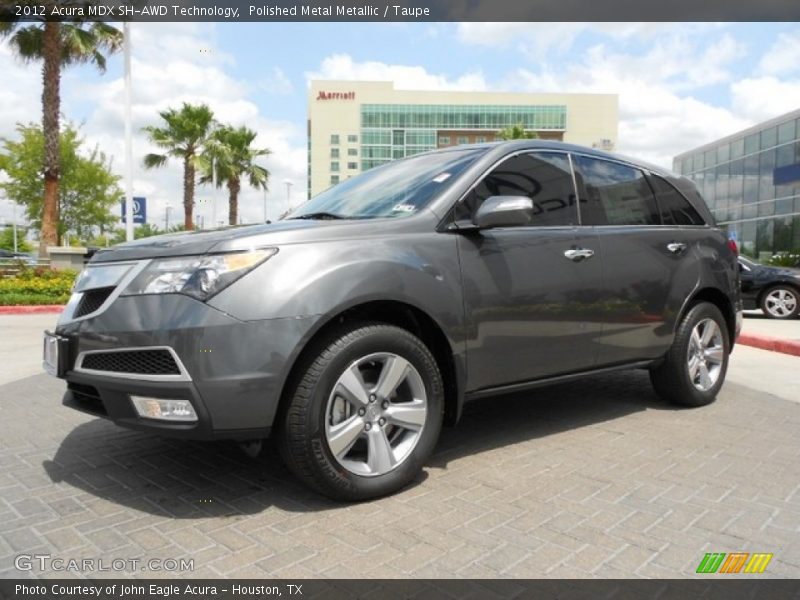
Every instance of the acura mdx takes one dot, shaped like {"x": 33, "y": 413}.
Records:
{"x": 353, "y": 329}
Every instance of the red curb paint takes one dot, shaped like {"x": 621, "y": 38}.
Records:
{"x": 770, "y": 343}
{"x": 32, "y": 310}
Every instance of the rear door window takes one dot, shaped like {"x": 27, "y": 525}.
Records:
{"x": 543, "y": 177}
{"x": 614, "y": 194}
{"x": 675, "y": 208}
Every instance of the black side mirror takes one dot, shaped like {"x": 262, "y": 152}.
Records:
{"x": 504, "y": 211}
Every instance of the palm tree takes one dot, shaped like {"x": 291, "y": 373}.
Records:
{"x": 230, "y": 156}
{"x": 57, "y": 45}
{"x": 184, "y": 136}
{"x": 516, "y": 132}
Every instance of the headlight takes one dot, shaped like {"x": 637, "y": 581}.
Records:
{"x": 198, "y": 276}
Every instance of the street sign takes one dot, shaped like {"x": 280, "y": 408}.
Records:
{"x": 139, "y": 209}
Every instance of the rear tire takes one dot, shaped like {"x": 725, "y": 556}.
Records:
{"x": 780, "y": 302}
{"x": 364, "y": 414}
{"x": 694, "y": 368}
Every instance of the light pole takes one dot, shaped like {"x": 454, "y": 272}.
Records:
{"x": 126, "y": 36}
{"x": 289, "y": 184}
{"x": 166, "y": 216}
{"x": 14, "y": 224}
{"x": 214, "y": 190}
{"x": 265, "y": 204}
{"x": 4, "y": 179}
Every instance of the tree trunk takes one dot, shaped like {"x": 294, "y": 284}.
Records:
{"x": 188, "y": 193}
{"x": 233, "y": 200}
{"x": 51, "y": 78}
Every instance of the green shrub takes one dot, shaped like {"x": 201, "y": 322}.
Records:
{"x": 14, "y": 299}
{"x": 785, "y": 259}
{"x": 38, "y": 285}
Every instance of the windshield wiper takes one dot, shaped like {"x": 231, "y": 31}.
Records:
{"x": 319, "y": 215}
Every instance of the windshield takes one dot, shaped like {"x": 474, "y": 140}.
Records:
{"x": 397, "y": 189}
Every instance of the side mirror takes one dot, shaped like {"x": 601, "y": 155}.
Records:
{"x": 504, "y": 211}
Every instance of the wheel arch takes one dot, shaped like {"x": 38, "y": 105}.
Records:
{"x": 392, "y": 312}
{"x": 719, "y": 299}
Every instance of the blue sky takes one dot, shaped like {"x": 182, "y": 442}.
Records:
{"x": 680, "y": 85}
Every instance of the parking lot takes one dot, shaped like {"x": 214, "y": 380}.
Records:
{"x": 595, "y": 478}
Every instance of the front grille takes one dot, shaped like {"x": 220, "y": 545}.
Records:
{"x": 92, "y": 300}
{"x": 87, "y": 397}
{"x": 139, "y": 362}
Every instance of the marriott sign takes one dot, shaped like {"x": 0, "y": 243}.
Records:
{"x": 336, "y": 96}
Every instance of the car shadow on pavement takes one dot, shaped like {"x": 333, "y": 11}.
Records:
{"x": 495, "y": 422}
{"x": 195, "y": 480}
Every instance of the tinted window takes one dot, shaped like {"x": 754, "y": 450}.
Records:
{"x": 544, "y": 178}
{"x": 675, "y": 209}
{"x": 615, "y": 194}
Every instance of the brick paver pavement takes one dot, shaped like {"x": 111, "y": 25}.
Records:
{"x": 595, "y": 478}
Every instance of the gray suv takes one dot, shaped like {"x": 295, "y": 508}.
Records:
{"x": 353, "y": 329}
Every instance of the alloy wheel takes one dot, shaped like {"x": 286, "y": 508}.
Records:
{"x": 780, "y": 303}
{"x": 706, "y": 354}
{"x": 375, "y": 414}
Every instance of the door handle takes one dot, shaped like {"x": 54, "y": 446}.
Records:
{"x": 578, "y": 254}
{"x": 676, "y": 247}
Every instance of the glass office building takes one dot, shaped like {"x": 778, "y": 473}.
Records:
{"x": 354, "y": 126}
{"x": 751, "y": 182}
{"x": 391, "y": 131}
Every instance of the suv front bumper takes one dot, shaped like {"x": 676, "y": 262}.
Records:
{"x": 231, "y": 371}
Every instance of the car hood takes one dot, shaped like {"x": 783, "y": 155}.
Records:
{"x": 242, "y": 237}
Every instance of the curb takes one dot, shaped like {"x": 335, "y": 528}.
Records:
{"x": 766, "y": 342}
{"x": 32, "y": 310}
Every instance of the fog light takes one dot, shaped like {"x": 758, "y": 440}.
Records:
{"x": 163, "y": 409}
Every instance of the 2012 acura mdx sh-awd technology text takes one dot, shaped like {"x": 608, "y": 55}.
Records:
{"x": 356, "y": 327}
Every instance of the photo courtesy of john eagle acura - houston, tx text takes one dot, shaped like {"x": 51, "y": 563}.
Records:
{"x": 355, "y": 328}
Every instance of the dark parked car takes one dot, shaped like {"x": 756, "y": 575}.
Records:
{"x": 775, "y": 290}
{"x": 356, "y": 327}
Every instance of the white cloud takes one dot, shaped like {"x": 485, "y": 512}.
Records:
{"x": 20, "y": 94}
{"x": 761, "y": 98}
{"x": 655, "y": 123}
{"x": 20, "y": 102}
{"x": 277, "y": 83}
{"x": 783, "y": 57}
{"x": 407, "y": 77}
{"x": 660, "y": 115}
{"x": 536, "y": 39}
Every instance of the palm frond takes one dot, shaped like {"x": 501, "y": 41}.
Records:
{"x": 108, "y": 37}
{"x": 152, "y": 161}
{"x": 27, "y": 42}
{"x": 258, "y": 177}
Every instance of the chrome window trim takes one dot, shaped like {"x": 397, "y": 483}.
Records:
{"x": 66, "y": 316}
{"x": 183, "y": 376}
{"x": 570, "y": 153}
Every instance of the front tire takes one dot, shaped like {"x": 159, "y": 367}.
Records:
{"x": 364, "y": 413}
{"x": 780, "y": 302}
{"x": 694, "y": 368}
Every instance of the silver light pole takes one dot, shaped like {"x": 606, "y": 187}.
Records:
{"x": 289, "y": 184}
{"x": 213, "y": 191}
{"x": 265, "y": 205}
{"x": 126, "y": 32}
{"x": 14, "y": 224}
